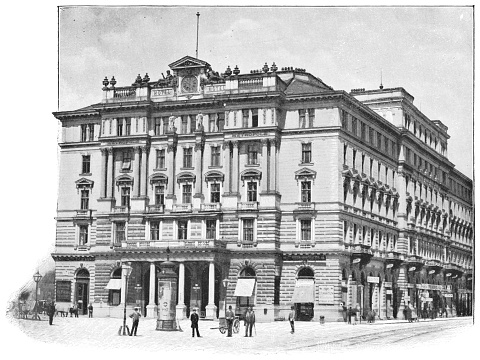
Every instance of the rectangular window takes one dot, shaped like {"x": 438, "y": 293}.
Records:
{"x": 221, "y": 121}
{"x": 344, "y": 119}
{"x": 248, "y": 225}
{"x": 245, "y": 117}
{"x": 160, "y": 161}
{"x": 91, "y": 131}
{"x": 119, "y": 232}
{"x": 83, "y": 135}
{"x": 211, "y": 229}
{"x": 125, "y": 196}
{"x": 158, "y": 126}
{"x": 215, "y": 150}
{"x": 193, "y": 124}
{"x": 85, "y": 164}
{"x": 84, "y": 197}
{"x": 363, "y": 131}
{"x": 306, "y": 191}
{"x": 311, "y": 117}
{"x": 119, "y": 127}
{"x": 127, "y": 160}
{"x": 128, "y": 126}
{"x": 379, "y": 141}
{"x": 306, "y": 230}
{"x": 307, "y": 153}
{"x": 187, "y": 194}
{"x": 184, "y": 124}
{"x": 164, "y": 125}
{"x": 187, "y": 157}
{"x": 83, "y": 234}
{"x": 212, "y": 123}
{"x": 301, "y": 119}
{"x": 254, "y": 118}
{"x": 182, "y": 229}
{"x": 354, "y": 126}
{"x": 252, "y": 191}
{"x": 159, "y": 195}
{"x": 370, "y": 136}
{"x": 155, "y": 230}
{"x": 214, "y": 193}
{"x": 252, "y": 155}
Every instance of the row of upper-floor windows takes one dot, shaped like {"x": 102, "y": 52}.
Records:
{"x": 368, "y": 134}
{"x": 360, "y": 161}
{"x": 377, "y": 239}
{"x": 424, "y": 166}
{"x": 460, "y": 190}
{"x": 422, "y": 133}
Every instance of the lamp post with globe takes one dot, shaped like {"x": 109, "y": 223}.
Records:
{"x": 127, "y": 270}
{"x": 37, "y": 277}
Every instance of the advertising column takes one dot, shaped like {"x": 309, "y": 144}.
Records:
{"x": 167, "y": 298}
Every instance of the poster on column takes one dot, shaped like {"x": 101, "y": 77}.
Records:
{"x": 166, "y": 303}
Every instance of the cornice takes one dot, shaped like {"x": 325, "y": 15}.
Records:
{"x": 73, "y": 257}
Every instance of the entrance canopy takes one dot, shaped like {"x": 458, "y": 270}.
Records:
{"x": 244, "y": 287}
{"x": 304, "y": 291}
{"x": 114, "y": 284}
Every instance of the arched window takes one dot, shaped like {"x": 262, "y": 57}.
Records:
{"x": 306, "y": 272}
{"x": 114, "y": 287}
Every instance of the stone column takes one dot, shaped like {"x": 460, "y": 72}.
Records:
{"x": 234, "y": 171}
{"x": 144, "y": 172}
{"x": 151, "y": 293}
{"x": 181, "y": 308}
{"x": 136, "y": 171}
{"x": 110, "y": 173}
{"x": 103, "y": 175}
{"x": 263, "y": 167}
{"x": 211, "y": 309}
{"x": 273, "y": 165}
{"x": 226, "y": 164}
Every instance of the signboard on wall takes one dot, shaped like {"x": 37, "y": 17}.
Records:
{"x": 326, "y": 294}
{"x": 387, "y": 284}
{"x": 373, "y": 279}
{"x": 389, "y": 292}
{"x": 63, "y": 291}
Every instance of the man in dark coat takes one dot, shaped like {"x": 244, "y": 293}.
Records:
{"x": 194, "y": 320}
{"x": 136, "y": 319}
{"x": 349, "y": 315}
{"x": 90, "y": 310}
{"x": 229, "y": 317}
{"x": 51, "y": 312}
{"x": 249, "y": 321}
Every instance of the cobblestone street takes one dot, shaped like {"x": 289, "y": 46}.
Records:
{"x": 271, "y": 338}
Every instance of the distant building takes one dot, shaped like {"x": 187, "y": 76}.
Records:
{"x": 294, "y": 192}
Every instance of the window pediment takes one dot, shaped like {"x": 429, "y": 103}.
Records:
{"x": 84, "y": 183}
{"x": 158, "y": 179}
{"x": 305, "y": 173}
{"x": 251, "y": 174}
{"x": 213, "y": 176}
{"x": 185, "y": 177}
{"x": 124, "y": 180}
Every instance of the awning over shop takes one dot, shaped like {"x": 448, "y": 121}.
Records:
{"x": 114, "y": 284}
{"x": 304, "y": 291}
{"x": 244, "y": 287}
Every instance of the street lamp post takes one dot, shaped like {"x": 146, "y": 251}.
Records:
{"x": 37, "y": 277}
{"x": 127, "y": 270}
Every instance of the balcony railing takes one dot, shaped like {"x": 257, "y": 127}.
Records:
{"x": 303, "y": 206}
{"x": 249, "y": 205}
{"x": 210, "y": 207}
{"x": 124, "y": 93}
{"x": 182, "y": 207}
{"x": 83, "y": 213}
{"x": 250, "y": 83}
{"x": 121, "y": 209}
{"x": 202, "y": 243}
{"x": 159, "y": 208}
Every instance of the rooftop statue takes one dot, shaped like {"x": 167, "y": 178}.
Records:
{"x": 167, "y": 81}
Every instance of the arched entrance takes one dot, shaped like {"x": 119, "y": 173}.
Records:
{"x": 243, "y": 302}
{"x": 82, "y": 281}
{"x": 304, "y": 294}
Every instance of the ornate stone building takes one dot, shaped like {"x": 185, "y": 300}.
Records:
{"x": 269, "y": 189}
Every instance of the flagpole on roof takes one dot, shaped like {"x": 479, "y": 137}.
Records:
{"x": 198, "y": 20}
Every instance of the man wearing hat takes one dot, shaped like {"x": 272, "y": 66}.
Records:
{"x": 136, "y": 318}
{"x": 194, "y": 320}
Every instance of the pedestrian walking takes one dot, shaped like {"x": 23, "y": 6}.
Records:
{"x": 50, "y": 312}
{"x": 136, "y": 319}
{"x": 249, "y": 321}
{"x": 349, "y": 315}
{"x": 229, "y": 316}
{"x": 90, "y": 310}
{"x": 75, "y": 310}
{"x": 291, "y": 318}
{"x": 194, "y": 320}
{"x": 344, "y": 311}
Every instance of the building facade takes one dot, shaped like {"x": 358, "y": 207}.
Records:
{"x": 268, "y": 189}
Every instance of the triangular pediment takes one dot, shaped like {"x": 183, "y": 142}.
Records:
{"x": 305, "y": 173}
{"x": 83, "y": 182}
{"x": 188, "y": 62}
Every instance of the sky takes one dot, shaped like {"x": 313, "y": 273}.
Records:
{"x": 427, "y": 51}
{"x": 57, "y": 60}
